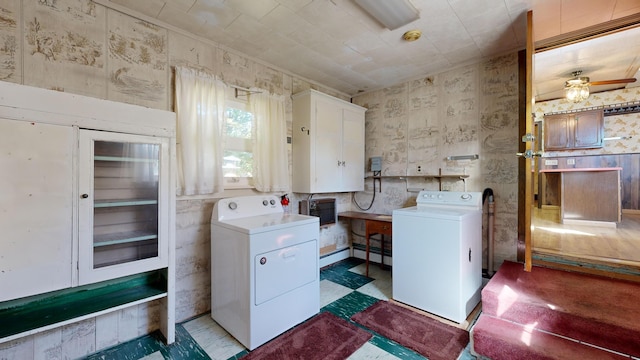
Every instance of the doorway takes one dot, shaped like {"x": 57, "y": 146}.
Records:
{"x": 608, "y": 248}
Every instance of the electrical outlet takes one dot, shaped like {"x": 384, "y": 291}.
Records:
{"x": 571, "y": 161}
{"x": 419, "y": 169}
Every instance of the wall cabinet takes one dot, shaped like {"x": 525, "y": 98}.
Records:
{"x": 88, "y": 220}
{"x": 580, "y": 130}
{"x": 328, "y": 144}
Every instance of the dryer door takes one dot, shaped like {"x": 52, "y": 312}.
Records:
{"x": 280, "y": 271}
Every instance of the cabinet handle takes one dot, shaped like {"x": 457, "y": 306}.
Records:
{"x": 84, "y": 196}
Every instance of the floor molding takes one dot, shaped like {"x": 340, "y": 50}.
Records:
{"x": 334, "y": 257}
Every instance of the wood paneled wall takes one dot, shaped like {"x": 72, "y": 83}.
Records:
{"x": 629, "y": 176}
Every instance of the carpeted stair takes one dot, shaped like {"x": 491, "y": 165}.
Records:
{"x": 555, "y": 314}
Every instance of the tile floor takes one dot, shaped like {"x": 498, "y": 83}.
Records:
{"x": 344, "y": 291}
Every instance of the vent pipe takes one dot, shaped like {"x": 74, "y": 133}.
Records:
{"x": 487, "y": 194}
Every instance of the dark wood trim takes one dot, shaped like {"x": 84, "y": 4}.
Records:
{"x": 591, "y": 32}
{"x": 522, "y": 109}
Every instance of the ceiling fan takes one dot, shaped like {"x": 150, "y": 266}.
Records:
{"x": 577, "y": 88}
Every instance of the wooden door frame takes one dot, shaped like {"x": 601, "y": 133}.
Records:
{"x": 525, "y": 118}
{"x": 525, "y": 122}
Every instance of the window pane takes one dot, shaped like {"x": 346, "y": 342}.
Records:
{"x": 237, "y": 163}
{"x": 239, "y": 123}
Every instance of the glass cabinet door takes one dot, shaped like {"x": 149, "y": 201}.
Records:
{"x": 121, "y": 204}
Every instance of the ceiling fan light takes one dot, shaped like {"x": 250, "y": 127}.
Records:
{"x": 577, "y": 93}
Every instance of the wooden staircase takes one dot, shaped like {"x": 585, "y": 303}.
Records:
{"x": 556, "y": 314}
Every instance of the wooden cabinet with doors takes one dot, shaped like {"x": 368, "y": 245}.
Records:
{"x": 328, "y": 144}
{"x": 579, "y": 130}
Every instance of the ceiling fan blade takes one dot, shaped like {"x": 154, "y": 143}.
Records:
{"x": 609, "y": 82}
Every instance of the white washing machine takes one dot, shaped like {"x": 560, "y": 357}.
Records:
{"x": 437, "y": 253}
{"x": 265, "y": 275}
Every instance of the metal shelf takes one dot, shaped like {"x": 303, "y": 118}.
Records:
{"x": 438, "y": 176}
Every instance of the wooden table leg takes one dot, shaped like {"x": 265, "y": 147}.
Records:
{"x": 382, "y": 251}
{"x": 366, "y": 226}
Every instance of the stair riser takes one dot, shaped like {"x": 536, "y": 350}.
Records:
{"x": 502, "y": 340}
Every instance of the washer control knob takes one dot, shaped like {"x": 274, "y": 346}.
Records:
{"x": 440, "y": 196}
{"x": 233, "y": 205}
{"x": 272, "y": 202}
{"x": 263, "y": 260}
{"x": 265, "y": 202}
{"x": 465, "y": 196}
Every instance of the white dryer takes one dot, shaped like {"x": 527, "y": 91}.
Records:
{"x": 437, "y": 253}
{"x": 264, "y": 268}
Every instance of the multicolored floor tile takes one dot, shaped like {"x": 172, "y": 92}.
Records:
{"x": 344, "y": 291}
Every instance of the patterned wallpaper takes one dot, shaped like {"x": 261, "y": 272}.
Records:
{"x": 79, "y": 47}
{"x": 470, "y": 110}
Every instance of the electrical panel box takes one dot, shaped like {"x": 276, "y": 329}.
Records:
{"x": 376, "y": 163}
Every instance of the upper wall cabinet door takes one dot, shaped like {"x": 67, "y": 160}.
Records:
{"x": 581, "y": 130}
{"x": 557, "y": 131}
{"x": 35, "y": 208}
{"x": 123, "y": 205}
{"x": 589, "y": 129}
{"x": 328, "y": 144}
{"x": 353, "y": 163}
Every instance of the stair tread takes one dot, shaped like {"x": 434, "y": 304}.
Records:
{"x": 499, "y": 339}
{"x": 585, "y": 307}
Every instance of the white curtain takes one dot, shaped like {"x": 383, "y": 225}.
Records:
{"x": 200, "y": 105}
{"x": 270, "y": 156}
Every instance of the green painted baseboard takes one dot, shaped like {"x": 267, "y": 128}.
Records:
{"x": 22, "y": 315}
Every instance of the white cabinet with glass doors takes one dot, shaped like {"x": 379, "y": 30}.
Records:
{"x": 123, "y": 210}
{"x": 88, "y": 218}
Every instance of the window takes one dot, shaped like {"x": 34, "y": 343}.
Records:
{"x": 238, "y": 153}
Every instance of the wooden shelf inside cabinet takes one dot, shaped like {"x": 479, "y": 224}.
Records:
{"x": 128, "y": 202}
{"x": 123, "y": 238}
{"x": 41, "y": 312}
{"x": 124, "y": 159}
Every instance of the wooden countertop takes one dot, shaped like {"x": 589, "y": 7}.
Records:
{"x": 582, "y": 169}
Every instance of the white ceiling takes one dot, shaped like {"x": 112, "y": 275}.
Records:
{"x": 337, "y": 44}
{"x": 615, "y": 56}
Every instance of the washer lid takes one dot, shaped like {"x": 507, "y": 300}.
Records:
{"x": 435, "y": 213}
{"x": 268, "y": 222}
